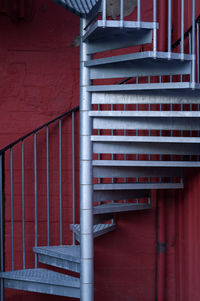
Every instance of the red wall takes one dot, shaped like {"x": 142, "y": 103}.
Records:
{"x": 39, "y": 75}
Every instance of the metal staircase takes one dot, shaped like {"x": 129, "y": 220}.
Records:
{"x": 136, "y": 135}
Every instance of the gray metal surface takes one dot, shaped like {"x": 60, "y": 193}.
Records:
{"x": 80, "y": 7}
{"x": 86, "y": 180}
{"x": 65, "y": 257}
{"x": 139, "y": 64}
{"x": 100, "y": 39}
{"x": 42, "y": 281}
{"x": 137, "y": 186}
{"x": 147, "y": 164}
{"x": 98, "y": 229}
{"x": 147, "y": 145}
{"x": 120, "y": 207}
{"x": 143, "y": 97}
{"x": 109, "y": 195}
{"x": 169, "y": 88}
{"x": 165, "y": 120}
{"x": 118, "y": 171}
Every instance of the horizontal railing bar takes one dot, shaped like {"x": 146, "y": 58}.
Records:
{"x": 38, "y": 129}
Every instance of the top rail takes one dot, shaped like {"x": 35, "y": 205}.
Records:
{"x": 37, "y": 129}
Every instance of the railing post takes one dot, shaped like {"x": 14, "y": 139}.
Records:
{"x": 182, "y": 27}
{"x": 122, "y": 13}
{"x": 86, "y": 179}
{"x": 35, "y": 186}
{"x": 1, "y": 227}
{"x": 104, "y": 13}
{"x": 193, "y": 79}
{"x": 73, "y": 175}
{"x": 60, "y": 179}
{"x": 169, "y": 28}
{"x": 154, "y": 28}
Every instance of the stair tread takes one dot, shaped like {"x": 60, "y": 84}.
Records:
{"x": 138, "y": 114}
{"x": 98, "y": 229}
{"x": 118, "y": 207}
{"x": 140, "y": 163}
{"x": 145, "y": 55}
{"x": 113, "y": 27}
{"x": 145, "y": 139}
{"x": 71, "y": 253}
{"x": 136, "y": 186}
{"x": 173, "y": 88}
{"x": 143, "y": 97}
{"x": 38, "y": 275}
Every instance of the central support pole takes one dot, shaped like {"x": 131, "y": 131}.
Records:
{"x": 86, "y": 178}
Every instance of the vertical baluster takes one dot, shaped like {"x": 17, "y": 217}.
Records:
{"x": 190, "y": 43}
{"x": 48, "y": 197}
{"x": 1, "y": 227}
{"x": 104, "y": 13}
{"x": 139, "y": 12}
{"x": 73, "y": 175}
{"x": 169, "y": 28}
{"x": 60, "y": 176}
{"x": 23, "y": 210}
{"x": 12, "y": 209}
{"x": 35, "y": 178}
{"x": 193, "y": 79}
{"x": 121, "y": 13}
{"x": 182, "y": 27}
{"x": 198, "y": 54}
{"x": 154, "y": 28}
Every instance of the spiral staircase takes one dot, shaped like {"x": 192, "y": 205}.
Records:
{"x": 139, "y": 129}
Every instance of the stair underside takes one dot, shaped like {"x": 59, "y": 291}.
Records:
{"x": 42, "y": 281}
{"x": 139, "y": 65}
{"x": 109, "y": 195}
{"x": 177, "y": 89}
{"x": 103, "y": 37}
{"x": 65, "y": 257}
{"x": 98, "y": 229}
{"x": 120, "y": 207}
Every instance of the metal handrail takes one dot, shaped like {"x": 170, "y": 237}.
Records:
{"x": 37, "y": 130}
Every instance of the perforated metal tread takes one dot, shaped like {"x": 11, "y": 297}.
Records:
{"x": 120, "y": 207}
{"x": 146, "y": 139}
{"x": 133, "y": 114}
{"x": 42, "y": 281}
{"x": 71, "y": 253}
{"x": 79, "y": 7}
{"x": 98, "y": 229}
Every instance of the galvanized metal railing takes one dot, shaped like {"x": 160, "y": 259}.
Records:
{"x": 7, "y": 158}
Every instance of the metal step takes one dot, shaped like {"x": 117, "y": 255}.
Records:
{"x": 98, "y": 229}
{"x": 136, "y": 172}
{"x": 120, "y": 207}
{"x": 81, "y": 7}
{"x": 137, "y": 186}
{"x": 109, "y": 195}
{"x": 42, "y": 281}
{"x": 145, "y": 163}
{"x": 178, "y": 89}
{"x": 139, "y": 64}
{"x": 146, "y": 145}
{"x": 155, "y": 120}
{"x": 144, "y": 97}
{"x": 103, "y": 38}
{"x": 65, "y": 257}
